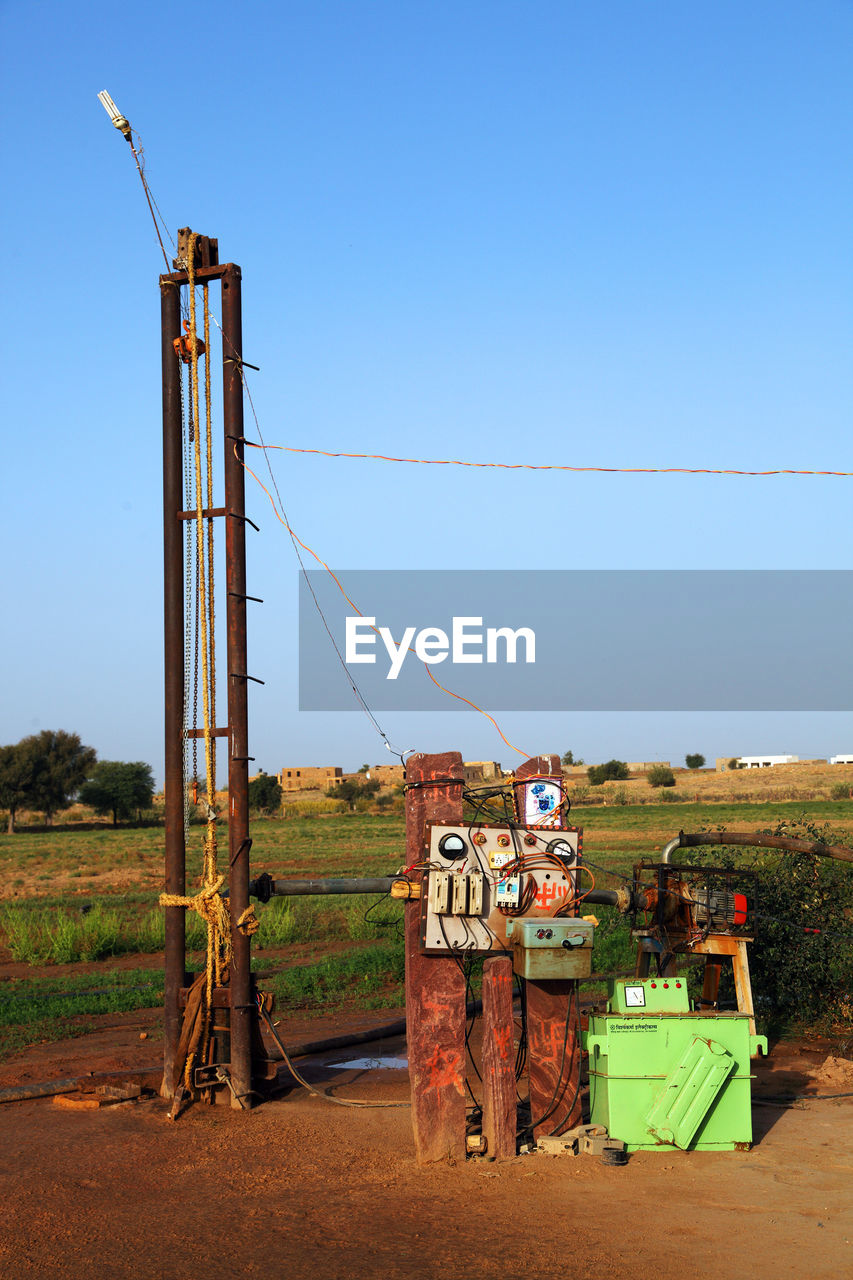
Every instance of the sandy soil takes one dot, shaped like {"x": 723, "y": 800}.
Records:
{"x": 302, "y": 1189}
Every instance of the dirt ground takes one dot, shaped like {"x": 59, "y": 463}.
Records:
{"x": 303, "y": 1190}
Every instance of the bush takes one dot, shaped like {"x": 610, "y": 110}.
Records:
{"x": 660, "y": 775}
{"x": 799, "y": 978}
{"x": 619, "y": 795}
{"x": 265, "y": 793}
{"x": 733, "y": 764}
{"x": 694, "y": 761}
{"x": 840, "y": 791}
{"x": 352, "y": 791}
{"x": 612, "y": 771}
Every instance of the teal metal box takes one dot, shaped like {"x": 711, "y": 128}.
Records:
{"x": 662, "y": 1077}
{"x": 545, "y": 949}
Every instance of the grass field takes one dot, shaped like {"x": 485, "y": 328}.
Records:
{"x": 89, "y": 896}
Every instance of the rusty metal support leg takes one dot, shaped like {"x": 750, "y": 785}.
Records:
{"x": 242, "y": 1011}
{"x": 173, "y": 636}
{"x": 499, "y": 1110}
{"x": 435, "y": 987}
{"x": 711, "y": 982}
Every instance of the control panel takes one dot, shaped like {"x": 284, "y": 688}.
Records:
{"x": 479, "y": 878}
{"x": 549, "y": 949}
{"x": 649, "y": 995}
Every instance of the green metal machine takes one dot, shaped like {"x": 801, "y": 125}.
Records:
{"x": 664, "y": 1077}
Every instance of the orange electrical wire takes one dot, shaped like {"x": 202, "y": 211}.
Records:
{"x": 280, "y": 517}
{"x": 529, "y": 466}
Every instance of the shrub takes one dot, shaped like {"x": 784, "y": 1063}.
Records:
{"x": 694, "y": 761}
{"x": 265, "y": 793}
{"x": 840, "y": 791}
{"x": 733, "y": 764}
{"x": 352, "y": 791}
{"x": 619, "y": 795}
{"x": 660, "y": 775}
{"x": 612, "y": 771}
{"x": 798, "y": 978}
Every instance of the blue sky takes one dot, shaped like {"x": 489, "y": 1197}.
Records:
{"x": 610, "y": 235}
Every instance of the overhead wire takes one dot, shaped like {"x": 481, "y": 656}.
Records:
{"x": 529, "y": 466}
{"x": 281, "y": 516}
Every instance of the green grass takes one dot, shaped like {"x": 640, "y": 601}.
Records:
{"x": 34, "y": 1010}
{"x": 38, "y": 934}
{"x": 356, "y": 916}
{"x": 355, "y": 975}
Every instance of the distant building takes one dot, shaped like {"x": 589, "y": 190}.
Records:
{"x": 309, "y": 777}
{"x": 387, "y": 775}
{"x": 481, "y": 771}
{"x": 841, "y": 760}
{"x": 764, "y": 762}
{"x": 643, "y": 766}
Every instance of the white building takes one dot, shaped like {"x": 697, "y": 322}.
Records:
{"x": 764, "y": 762}
{"x": 841, "y": 760}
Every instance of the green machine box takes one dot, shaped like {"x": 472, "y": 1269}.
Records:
{"x": 663, "y": 1077}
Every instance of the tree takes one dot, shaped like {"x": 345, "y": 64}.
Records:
{"x": 660, "y": 775}
{"x": 17, "y": 776}
{"x": 350, "y": 790}
{"x": 62, "y": 763}
{"x": 119, "y": 788}
{"x": 613, "y": 770}
{"x": 265, "y": 793}
{"x": 364, "y": 768}
{"x": 569, "y": 760}
{"x": 694, "y": 761}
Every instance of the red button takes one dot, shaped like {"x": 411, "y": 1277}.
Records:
{"x": 666, "y": 984}
{"x": 654, "y": 984}
{"x": 678, "y": 984}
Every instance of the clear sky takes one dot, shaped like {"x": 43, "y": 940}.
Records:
{"x": 599, "y": 234}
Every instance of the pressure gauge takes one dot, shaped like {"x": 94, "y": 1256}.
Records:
{"x": 635, "y": 998}
{"x": 562, "y": 849}
{"x": 452, "y": 846}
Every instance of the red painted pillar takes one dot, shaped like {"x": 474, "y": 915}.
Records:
{"x": 552, "y": 1012}
{"x": 435, "y": 987}
{"x": 499, "y": 1096}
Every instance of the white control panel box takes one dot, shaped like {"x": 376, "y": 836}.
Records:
{"x": 480, "y": 878}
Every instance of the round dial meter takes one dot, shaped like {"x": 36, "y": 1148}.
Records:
{"x": 452, "y": 846}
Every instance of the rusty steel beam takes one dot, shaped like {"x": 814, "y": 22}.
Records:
{"x": 173, "y": 652}
{"x": 203, "y": 275}
{"x": 435, "y": 987}
{"x": 242, "y": 1009}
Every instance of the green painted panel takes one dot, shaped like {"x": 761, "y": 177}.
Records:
{"x": 689, "y": 1091}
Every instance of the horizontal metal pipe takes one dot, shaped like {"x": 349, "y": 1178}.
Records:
{"x": 604, "y": 897}
{"x": 352, "y": 884}
{"x": 755, "y": 839}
